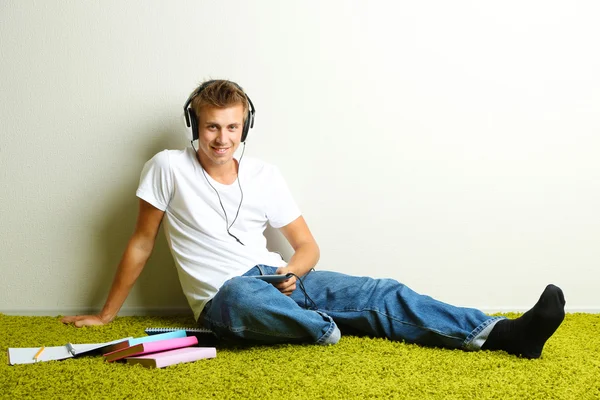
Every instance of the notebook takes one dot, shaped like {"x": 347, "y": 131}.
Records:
{"x": 151, "y": 347}
{"x": 24, "y": 355}
{"x": 144, "y": 339}
{"x": 171, "y": 357}
{"x": 188, "y": 330}
{"x": 206, "y": 337}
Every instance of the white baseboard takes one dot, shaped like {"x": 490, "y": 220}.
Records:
{"x": 173, "y": 311}
{"x": 125, "y": 311}
{"x": 568, "y": 310}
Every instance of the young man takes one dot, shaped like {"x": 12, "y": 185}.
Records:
{"x": 215, "y": 209}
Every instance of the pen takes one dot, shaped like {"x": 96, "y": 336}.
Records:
{"x": 37, "y": 355}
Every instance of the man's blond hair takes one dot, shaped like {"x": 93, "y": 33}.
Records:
{"x": 221, "y": 94}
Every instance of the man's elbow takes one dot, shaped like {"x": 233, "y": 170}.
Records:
{"x": 142, "y": 245}
{"x": 311, "y": 247}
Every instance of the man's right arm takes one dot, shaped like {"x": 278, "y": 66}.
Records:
{"x": 132, "y": 263}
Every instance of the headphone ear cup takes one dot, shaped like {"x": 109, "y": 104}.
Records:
{"x": 193, "y": 123}
{"x": 246, "y": 126}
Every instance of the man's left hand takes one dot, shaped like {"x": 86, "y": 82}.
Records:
{"x": 288, "y": 286}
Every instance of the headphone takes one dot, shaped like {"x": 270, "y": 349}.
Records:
{"x": 191, "y": 119}
{"x": 192, "y": 122}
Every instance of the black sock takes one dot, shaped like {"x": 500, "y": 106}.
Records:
{"x": 526, "y": 335}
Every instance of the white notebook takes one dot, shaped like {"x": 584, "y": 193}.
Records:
{"x": 25, "y": 355}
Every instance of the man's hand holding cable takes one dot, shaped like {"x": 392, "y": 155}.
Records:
{"x": 288, "y": 286}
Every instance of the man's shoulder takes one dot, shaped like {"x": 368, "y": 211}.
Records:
{"x": 167, "y": 157}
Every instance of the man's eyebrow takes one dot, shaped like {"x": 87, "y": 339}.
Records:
{"x": 217, "y": 124}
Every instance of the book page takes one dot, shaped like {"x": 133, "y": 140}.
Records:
{"x": 79, "y": 349}
{"x": 24, "y": 355}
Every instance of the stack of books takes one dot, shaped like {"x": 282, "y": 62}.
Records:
{"x": 159, "y": 350}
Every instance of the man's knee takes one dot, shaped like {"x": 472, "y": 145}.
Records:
{"x": 239, "y": 293}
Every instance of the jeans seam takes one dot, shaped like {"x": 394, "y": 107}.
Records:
{"x": 394, "y": 319}
{"x": 473, "y": 335}
{"x": 244, "y": 328}
{"x": 332, "y": 326}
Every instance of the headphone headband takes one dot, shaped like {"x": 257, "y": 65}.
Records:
{"x": 191, "y": 119}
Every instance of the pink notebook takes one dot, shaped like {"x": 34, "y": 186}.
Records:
{"x": 151, "y": 347}
{"x": 177, "y": 356}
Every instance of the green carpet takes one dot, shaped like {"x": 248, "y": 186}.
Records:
{"x": 355, "y": 368}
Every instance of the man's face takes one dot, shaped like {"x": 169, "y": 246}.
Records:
{"x": 219, "y": 134}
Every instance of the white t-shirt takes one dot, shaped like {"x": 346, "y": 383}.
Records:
{"x": 205, "y": 255}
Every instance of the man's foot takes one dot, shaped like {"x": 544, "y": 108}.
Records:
{"x": 526, "y": 335}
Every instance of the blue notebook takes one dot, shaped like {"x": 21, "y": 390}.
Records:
{"x": 175, "y": 333}
{"x": 206, "y": 337}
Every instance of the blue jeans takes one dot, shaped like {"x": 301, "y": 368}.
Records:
{"x": 251, "y": 310}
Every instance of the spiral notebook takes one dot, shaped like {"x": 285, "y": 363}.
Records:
{"x": 188, "y": 330}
